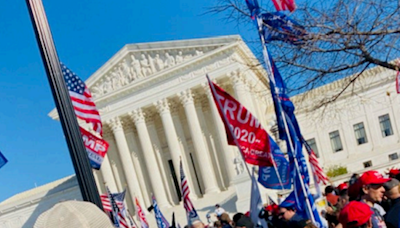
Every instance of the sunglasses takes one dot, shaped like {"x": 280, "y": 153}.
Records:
{"x": 281, "y": 214}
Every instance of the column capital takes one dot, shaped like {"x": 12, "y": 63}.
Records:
{"x": 115, "y": 124}
{"x": 137, "y": 116}
{"x": 162, "y": 106}
{"x": 186, "y": 97}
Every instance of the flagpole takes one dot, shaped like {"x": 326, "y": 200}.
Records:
{"x": 269, "y": 71}
{"x": 63, "y": 103}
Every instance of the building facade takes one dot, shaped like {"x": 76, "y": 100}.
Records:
{"x": 157, "y": 110}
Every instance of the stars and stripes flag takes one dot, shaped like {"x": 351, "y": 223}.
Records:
{"x": 140, "y": 214}
{"x": 85, "y": 108}
{"x": 187, "y": 203}
{"x": 317, "y": 169}
{"x": 282, "y": 5}
{"x": 114, "y": 205}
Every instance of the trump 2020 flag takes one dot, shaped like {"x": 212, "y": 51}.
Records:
{"x": 280, "y": 177}
{"x": 161, "y": 221}
{"x": 249, "y": 135}
{"x": 278, "y": 26}
{"x": 96, "y": 148}
{"x": 3, "y": 160}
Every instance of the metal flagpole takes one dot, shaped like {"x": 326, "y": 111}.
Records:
{"x": 63, "y": 103}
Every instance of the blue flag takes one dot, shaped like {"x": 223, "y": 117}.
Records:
{"x": 161, "y": 221}
{"x": 268, "y": 177}
{"x": 3, "y": 160}
{"x": 278, "y": 26}
{"x": 296, "y": 199}
{"x": 282, "y": 102}
{"x": 253, "y": 7}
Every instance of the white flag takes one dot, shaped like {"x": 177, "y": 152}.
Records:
{"x": 256, "y": 204}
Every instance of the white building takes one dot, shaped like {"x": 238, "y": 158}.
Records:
{"x": 156, "y": 109}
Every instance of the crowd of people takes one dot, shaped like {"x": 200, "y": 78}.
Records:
{"x": 367, "y": 200}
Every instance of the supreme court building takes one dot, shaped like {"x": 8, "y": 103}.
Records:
{"x": 157, "y": 110}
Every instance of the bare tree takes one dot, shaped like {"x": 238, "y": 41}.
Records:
{"x": 344, "y": 38}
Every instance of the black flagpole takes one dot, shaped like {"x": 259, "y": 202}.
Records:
{"x": 63, "y": 103}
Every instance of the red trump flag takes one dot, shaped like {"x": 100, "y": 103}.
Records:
{"x": 245, "y": 130}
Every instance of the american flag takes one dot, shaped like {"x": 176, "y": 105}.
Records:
{"x": 82, "y": 101}
{"x": 114, "y": 205}
{"x": 140, "y": 214}
{"x": 187, "y": 203}
{"x": 282, "y": 5}
{"x": 318, "y": 171}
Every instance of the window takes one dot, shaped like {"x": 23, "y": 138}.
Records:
{"x": 335, "y": 141}
{"x": 393, "y": 156}
{"x": 313, "y": 145}
{"x": 359, "y": 131}
{"x": 367, "y": 164}
{"x": 386, "y": 126}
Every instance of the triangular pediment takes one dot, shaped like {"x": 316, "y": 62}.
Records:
{"x": 137, "y": 62}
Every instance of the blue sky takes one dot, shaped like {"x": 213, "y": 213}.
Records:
{"x": 86, "y": 34}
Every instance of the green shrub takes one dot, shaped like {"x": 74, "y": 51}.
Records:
{"x": 336, "y": 170}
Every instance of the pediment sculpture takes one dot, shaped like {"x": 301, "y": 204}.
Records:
{"x": 138, "y": 65}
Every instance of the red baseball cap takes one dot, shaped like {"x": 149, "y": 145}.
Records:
{"x": 342, "y": 186}
{"x": 355, "y": 214}
{"x": 394, "y": 172}
{"x": 372, "y": 177}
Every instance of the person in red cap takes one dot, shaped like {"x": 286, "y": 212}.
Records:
{"x": 356, "y": 215}
{"x": 393, "y": 173}
{"x": 371, "y": 193}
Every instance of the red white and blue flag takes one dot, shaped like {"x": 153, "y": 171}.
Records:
{"x": 140, "y": 214}
{"x": 84, "y": 106}
{"x": 161, "y": 220}
{"x": 187, "y": 203}
{"x": 96, "y": 148}
{"x": 316, "y": 168}
{"x": 282, "y": 5}
{"x": 114, "y": 205}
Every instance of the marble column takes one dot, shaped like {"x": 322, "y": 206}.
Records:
{"x": 206, "y": 169}
{"x": 240, "y": 90}
{"x": 161, "y": 157}
{"x": 227, "y": 153}
{"x": 125, "y": 157}
{"x": 107, "y": 174}
{"x": 195, "y": 192}
{"x": 139, "y": 166}
{"x": 149, "y": 157}
{"x": 170, "y": 132}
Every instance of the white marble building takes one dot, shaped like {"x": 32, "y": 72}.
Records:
{"x": 156, "y": 109}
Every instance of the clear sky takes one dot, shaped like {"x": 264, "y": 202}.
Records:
{"x": 86, "y": 34}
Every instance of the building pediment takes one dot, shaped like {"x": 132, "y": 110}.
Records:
{"x": 139, "y": 66}
{"x": 137, "y": 62}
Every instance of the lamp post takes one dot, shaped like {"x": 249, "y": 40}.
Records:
{"x": 63, "y": 103}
